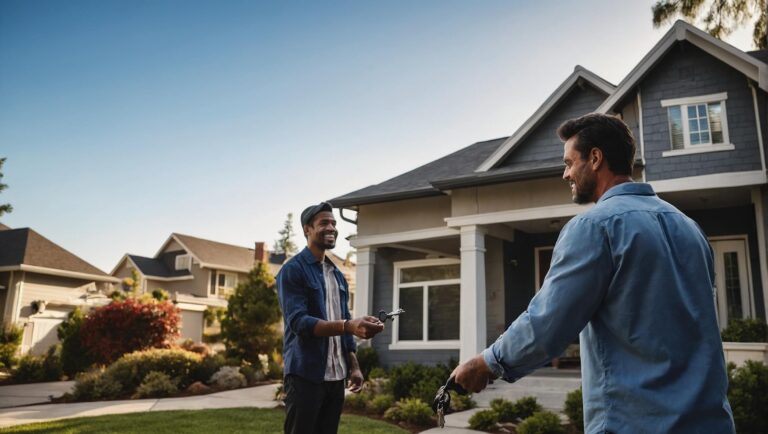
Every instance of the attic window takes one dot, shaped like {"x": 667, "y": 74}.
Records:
{"x": 697, "y": 124}
{"x": 183, "y": 262}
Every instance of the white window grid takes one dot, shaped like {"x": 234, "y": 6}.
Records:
{"x": 699, "y": 105}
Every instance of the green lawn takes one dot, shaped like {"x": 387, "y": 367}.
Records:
{"x": 233, "y": 420}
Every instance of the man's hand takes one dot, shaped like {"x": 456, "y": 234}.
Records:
{"x": 355, "y": 380}
{"x": 473, "y": 375}
{"x": 364, "y": 327}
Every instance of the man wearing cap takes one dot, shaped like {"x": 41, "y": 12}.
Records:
{"x": 318, "y": 348}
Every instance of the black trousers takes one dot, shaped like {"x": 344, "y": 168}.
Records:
{"x": 312, "y": 408}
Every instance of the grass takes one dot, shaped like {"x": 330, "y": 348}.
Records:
{"x": 233, "y": 420}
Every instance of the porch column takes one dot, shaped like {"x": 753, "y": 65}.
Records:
{"x": 472, "y": 302}
{"x": 366, "y": 260}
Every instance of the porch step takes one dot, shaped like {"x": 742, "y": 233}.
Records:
{"x": 548, "y": 387}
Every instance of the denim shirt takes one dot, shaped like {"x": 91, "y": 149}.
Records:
{"x": 635, "y": 276}
{"x": 301, "y": 292}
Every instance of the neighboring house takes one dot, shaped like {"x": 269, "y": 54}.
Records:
{"x": 40, "y": 283}
{"x": 464, "y": 242}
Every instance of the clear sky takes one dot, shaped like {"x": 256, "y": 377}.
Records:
{"x": 125, "y": 121}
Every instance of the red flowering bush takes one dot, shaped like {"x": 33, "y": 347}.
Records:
{"x": 130, "y": 325}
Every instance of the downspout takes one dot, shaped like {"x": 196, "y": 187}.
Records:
{"x": 347, "y": 219}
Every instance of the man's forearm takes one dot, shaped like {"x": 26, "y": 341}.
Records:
{"x": 352, "y": 361}
{"x": 325, "y": 328}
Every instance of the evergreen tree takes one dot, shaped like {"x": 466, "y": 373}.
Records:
{"x": 4, "y": 208}
{"x": 722, "y": 17}
{"x": 285, "y": 244}
{"x": 249, "y": 327}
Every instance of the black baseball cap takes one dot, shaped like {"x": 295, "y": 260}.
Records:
{"x": 311, "y": 211}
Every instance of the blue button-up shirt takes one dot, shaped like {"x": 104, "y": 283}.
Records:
{"x": 301, "y": 292}
{"x": 635, "y": 276}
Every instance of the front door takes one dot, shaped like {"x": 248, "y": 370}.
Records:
{"x": 732, "y": 280}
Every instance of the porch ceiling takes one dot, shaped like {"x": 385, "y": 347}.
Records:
{"x": 709, "y": 198}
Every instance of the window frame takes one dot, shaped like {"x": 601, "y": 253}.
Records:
{"x": 218, "y": 288}
{"x": 689, "y": 148}
{"x": 397, "y": 344}
{"x": 186, "y": 257}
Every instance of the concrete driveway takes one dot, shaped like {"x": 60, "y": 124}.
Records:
{"x": 36, "y": 393}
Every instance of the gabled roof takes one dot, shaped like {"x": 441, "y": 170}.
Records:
{"x": 26, "y": 250}
{"x": 749, "y": 65}
{"x": 579, "y": 75}
{"x": 3, "y": 227}
{"x": 416, "y": 183}
{"x": 153, "y": 267}
{"x": 213, "y": 254}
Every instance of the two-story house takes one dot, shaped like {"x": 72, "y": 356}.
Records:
{"x": 41, "y": 283}
{"x": 463, "y": 243}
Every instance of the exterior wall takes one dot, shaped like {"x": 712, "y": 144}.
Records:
{"x": 403, "y": 215}
{"x": 542, "y": 143}
{"x": 520, "y": 272}
{"x": 494, "y": 288}
{"x": 383, "y": 286}
{"x": 172, "y": 246}
{"x": 191, "y": 325}
{"x": 5, "y": 280}
{"x": 670, "y": 79}
{"x": 736, "y": 221}
{"x": 510, "y": 196}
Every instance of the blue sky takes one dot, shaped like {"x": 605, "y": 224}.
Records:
{"x": 125, "y": 121}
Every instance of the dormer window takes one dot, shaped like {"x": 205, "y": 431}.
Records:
{"x": 183, "y": 262}
{"x": 697, "y": 124}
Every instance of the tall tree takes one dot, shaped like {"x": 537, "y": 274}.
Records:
{"x": 722, "y": 17}
{"x": 4, "y": 208}
{"x": 285, "y": 244}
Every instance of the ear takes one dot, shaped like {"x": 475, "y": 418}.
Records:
{"x": 595, "y": 158}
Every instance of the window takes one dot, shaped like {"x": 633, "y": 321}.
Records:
{"x": 183, "y": 262}
{"x": 697, "y": 124}
{"x": 225, "y": 282}
{"x": 429, "y": 292}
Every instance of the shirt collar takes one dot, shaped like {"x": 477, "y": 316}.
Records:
{"x": 628, "y": 188}
{"x": 310, "y": 259}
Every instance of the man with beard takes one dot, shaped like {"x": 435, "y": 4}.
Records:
{"x": 637, "y": 276}
{"x": 318, "y": 348}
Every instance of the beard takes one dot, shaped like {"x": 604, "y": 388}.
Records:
{"x": 325, "y": 243}
{"x": 584, "y": 189}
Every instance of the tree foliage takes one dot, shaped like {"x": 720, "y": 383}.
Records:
{"x": 130, "y": 325}
{"x": 722, "y": 17}
{"x": 5, "y": 207}
{"x": 249, "y": 329}
{"x": 285, "y": 244}
{"x": 74, "y": 357}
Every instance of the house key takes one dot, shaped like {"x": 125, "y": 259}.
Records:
{"x": 442, "y": 403}
{"x": 384, "y": 316}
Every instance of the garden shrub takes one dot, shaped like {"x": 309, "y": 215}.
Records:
{"x": 484, "y": 420}
{"x": 357, "y": 401}
{"x": 410, "y": 410}
{"x": 156, "y": 385}
{"x": 251, "y": 375}
{"x": 526, "y": 406}
{"x": 208, "y": 366}
{"x": 130, "y": 370}
{"x": 122, "y": 327}
{"x": 745, "y": 330}
{"x": 376, "y": 372}
{"x": 74, "y": 357}
{"x": 274, "y": 370}
{"x": 380, "y": 403}
{"x": 505, "y": 410}
{"x": 94, "y": 386}
{"x": 574, "y": 409}
{"x": 543, "y": 422}
{"x": 10, "y": 341}
{"x": 35, "y": 369}
{"x": 746, "y": 394}
{"x": 461, "y": 402}
{"x": 228, "y": 377}
{"x": 368, "y": 360}
{"x": 195, "y": 347}
{"x": 160, "y": 294}
{"x": 417, "y": 381}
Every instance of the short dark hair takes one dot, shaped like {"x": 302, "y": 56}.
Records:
{"x": 605, "y": 132}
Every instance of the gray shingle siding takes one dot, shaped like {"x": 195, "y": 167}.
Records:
{"x": 382, "y": 299}
{"x": 542, "y": 143}
{"x": 687, "y": 71}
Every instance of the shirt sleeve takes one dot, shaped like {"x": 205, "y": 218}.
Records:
{"x": 349, "y": 341}
{"x": 292, "y": 293}
{"x": 577, "y": 281}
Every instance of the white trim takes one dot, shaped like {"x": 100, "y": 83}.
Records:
{"x": 741, "y": 61}
{"x": 169, "y": 279}
{"x": 225, "y": 273}
{"x": 399, "y": 237}
{"x": 424, "y": 343}
{"x": 191, "y": 307}
{"x": 641, "y": 129}
{"x": 537, "y": 265}
{"x": 699, "y": 149}
{"x": 187, "y": 258}
{"x": 757, "y": 124}
{"x": 549, "y": 104}
{"x": 757, "y": 201}
{"x": 183, "y": 246}
{"x": 552, "y": 211}
{"x": 429, "y": 345}
{"x": 202, "y": 301}
{"x": 717, "y": 180}
{"x": 748, "y": 264}
{"x": 62, "y": 273}
{"x": 700, "y": 99}
{"x": 224, "y": 268}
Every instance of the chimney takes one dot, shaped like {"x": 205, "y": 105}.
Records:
{"x": 261, "y": 254}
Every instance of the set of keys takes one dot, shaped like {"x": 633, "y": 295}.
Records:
{"x": 442, "y": 402}
{"x": 384, "y": 316}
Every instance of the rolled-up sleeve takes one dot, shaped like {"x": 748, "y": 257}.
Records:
{"x": 292, "y": 293}
{"x": 577, "y": 281}
{"x": 349, "y": 341}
